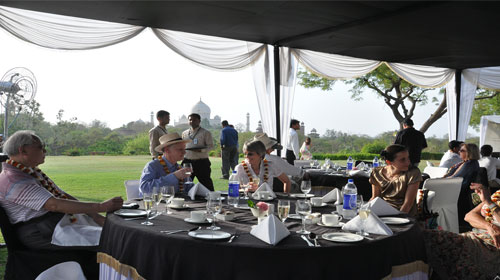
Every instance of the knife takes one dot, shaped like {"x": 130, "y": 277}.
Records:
{"x": 306, "y": 240}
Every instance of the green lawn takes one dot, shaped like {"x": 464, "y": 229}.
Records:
{"x": 96, "y": 178}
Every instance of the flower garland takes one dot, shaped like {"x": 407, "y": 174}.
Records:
{"x": 488, "y": 212}
{"x": 43, "y": 179}
{"x": 249, "y": 175}
{"x": 165, "y": 168}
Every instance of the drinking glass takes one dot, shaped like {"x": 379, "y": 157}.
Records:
{"x": 303, "y": 208}
{"x": 214, "y": 206}
{"x": 167, "y": 194}
{"x": 283, "y": 209}
{"x": 359, "y": 201}
{"x": 156, "y": 194}
{"x": 256, "y": 180}
{"x": 311, "y": 163}
{"x": 246, "y": 188}
{"x": 148, "y": 204}
{"x": 305, "y": 187}
{"x": 188, "y": 165}
{"x": 364, "y": 213}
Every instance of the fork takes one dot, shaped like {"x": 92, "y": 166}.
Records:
{"x": 232, "y": 237}
{"x": 180, "y": 230}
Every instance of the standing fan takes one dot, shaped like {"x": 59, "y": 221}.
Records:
{"x": 17, "y": 88}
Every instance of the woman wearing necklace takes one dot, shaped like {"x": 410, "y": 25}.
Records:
{"x": 256, "y": 166}
{"x": 396, "y": 183}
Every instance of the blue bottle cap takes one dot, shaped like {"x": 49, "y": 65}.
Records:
{"x": 350, "y": 180}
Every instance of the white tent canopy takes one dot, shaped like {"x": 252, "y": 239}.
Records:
{"x": 490, "y": 132}
{"x": 64, "y": 32}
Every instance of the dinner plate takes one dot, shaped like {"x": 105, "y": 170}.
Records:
{"x": 209, "y": 234}
{"x": 301, "y": 195}
{"x": 189, "y": 220}
{"x": 339, "y": 225}
{"x": 394, "y": 220}
{"x": 342, "y": 237}
{"x": 185, "y": 206}
{"x": 322, "y": 205}
{"x": 130, "y": 213}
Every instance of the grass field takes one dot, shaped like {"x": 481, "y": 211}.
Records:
{"x": 97, "y": 178}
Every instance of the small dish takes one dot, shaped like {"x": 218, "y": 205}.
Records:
{"x": 189, "y": 220}
{"x": 130, "y": 213}
{"x": 301, "y": 195}
{"x": 343, "y": 237}
{"x": 339, "y": 225}
{"x": 394, "y": 220}
{"x": 322, "y": 205}
{"x": 209, "y": 234}
{"x": 185, "y": 206}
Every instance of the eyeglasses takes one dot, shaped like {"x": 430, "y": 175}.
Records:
{"x": 250, "y": 154}
{"x": 462, "y": 151}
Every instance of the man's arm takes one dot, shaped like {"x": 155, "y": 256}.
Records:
{"x": 209, "y": 140}
{"x": 153, "y": 142}
{"x": 151, "y": 178}
{"x": 222, "y": 138}
{"x": 76, "y": 207}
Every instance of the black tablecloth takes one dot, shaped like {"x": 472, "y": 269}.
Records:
{"x": 178, "y": 256}
{"x": 322, "y": 178}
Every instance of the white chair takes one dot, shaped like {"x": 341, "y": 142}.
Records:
{"x": 429, "y": 163}
{"x": 63, "y": 271}
{"x": 445, "y": 201}
{"x": 132, "y": 188}
{"x": 435, "y": 172}
{"x": 300, "y": 163}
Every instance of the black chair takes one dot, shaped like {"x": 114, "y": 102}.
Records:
{"x": 24, "y": 263}
{"x": 482, "y": 177}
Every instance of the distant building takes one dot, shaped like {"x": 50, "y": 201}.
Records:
{"x": 302, "y": 128}
{"x": 204, "y": 111}
{"x": 259, "y": 128}
{"x": 313, "y": 133}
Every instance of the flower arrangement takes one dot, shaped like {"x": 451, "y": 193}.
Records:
{"x": 261, "y": 206}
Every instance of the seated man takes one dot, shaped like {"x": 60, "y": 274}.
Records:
{"x": 491, "y": 164}
{"x": 164, "y": 171}
{"x": 33, "y": 202}
{"x": 451, "y": 157}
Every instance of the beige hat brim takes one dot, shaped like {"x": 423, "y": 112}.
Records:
{"x": 160, "y": 147}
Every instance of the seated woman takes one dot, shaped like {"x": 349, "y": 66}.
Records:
{"x": 396, "y": 182}
{"x": 33, "y": 202}
{"x": 470, "y": 255}
{"x": 467, "y": 169}
{"x": 256, "y": 166}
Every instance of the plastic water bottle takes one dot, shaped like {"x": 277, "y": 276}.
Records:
{"x": 375, "y": 162}
{"x": 350, "y": 163}
{"x": 233, "y": 192}
{"x": 350, "y": 196}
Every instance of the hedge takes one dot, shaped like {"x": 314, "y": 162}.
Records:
{"x": 368, "y": 156}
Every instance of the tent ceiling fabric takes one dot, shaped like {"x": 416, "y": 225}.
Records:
{"x": 455, "y": 35}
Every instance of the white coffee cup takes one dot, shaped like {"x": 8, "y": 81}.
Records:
{"x": 264, "y": 194}
{"x": 198, "y": 216}
{"x": 316, "y": 201}
{"x": 330, "y": 219}
{"x": 178, "y": 202}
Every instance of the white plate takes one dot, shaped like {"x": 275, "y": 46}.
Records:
{"x": 295, "y": 216}
{"x": 394, "y": 220}
{"x": 196, "y": 222}
{"x": 185, "y": 206}
{"x": 267, "y": 199}
{"x": 342, "y": 237}
{"x": 130, "y": 213}
{"x": 242, "y": 206}
{"x": 339, "y": 225}
{"x": 209, "y": 234}
{"x": 220, "y": 198}
{"x": 322, "y": 205}
{"x": 301, "y": 195}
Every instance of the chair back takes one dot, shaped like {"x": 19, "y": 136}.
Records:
{"x": 482, "y": 176}
{"x": 132, "y": 188}
{"x": 8, "y": 232}
{"x": 300, "y": 163}
{"x": 445, "y": 201}
{"x": 435, "y": 172}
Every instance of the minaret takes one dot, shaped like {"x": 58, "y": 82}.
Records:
{"x": 152, "y": 118}
{"x": 302, "y": 128}
{"x": 259, "y": 127}
{"x": 248, "y": 122}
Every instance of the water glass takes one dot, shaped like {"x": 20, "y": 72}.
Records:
{"x": 167, "y": 194}
{"x": 189, "y": 166}
{"x": 304, "y": 209}
{"x": 305, "y": 187}
{"x": 364, "y": 213}
{"x": 214, "y": 207}
{"x": 283, "y": 209}
{"x": 148, "y": 205}
{"x": 156, "y": 194}
{"x": 359, "y": 201}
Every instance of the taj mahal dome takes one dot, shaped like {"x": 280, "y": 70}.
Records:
{"x": 204, "y": 111}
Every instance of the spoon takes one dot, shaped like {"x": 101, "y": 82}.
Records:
{"x": 314, "y": 238}
{"x": 180, "y": 230}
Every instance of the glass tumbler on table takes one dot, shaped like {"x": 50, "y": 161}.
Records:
{"x": 364, "y": 213}
{"x": 167, "y": 194}
{"x": 214, "y": 207}
{"x": 148, "y": 205}
{"x": 283, "y": 209}
{"x": 304, "y": 209}
{"x": 156, "y": 194}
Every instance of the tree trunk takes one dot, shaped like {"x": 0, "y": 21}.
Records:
{"x": 438, "y": 113}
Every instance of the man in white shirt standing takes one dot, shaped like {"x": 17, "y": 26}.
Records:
{"x": 292, "y": 147}
{"x": 451, "y": 157}
{"x": 491, "y": 164}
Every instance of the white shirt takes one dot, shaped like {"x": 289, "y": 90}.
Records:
{"x": 273, "y": 170}
{"x": 491, "y": 164}
{"x": 284, "y": 166}
{"x": 293, "y": 142}
{"x": 449, "y": 159}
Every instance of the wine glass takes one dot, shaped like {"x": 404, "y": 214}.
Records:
{"x": 311, "y": 163}
{"x": 359, "y": 201}
{"x": 256, "y": 180}
{"x": 283, "y": 209}
{"x": 303, "y": 208}
{"x": 189, "y": 166}
{"x": 246, "y": 188}
{"x": 214, "y": 206}
{"x": 167, "y": 194}
{"x": 156, "y": 194}
{"x": 305, "y": 187}
{"x": 147, "y": 198}
{"x": 364, "y": 213}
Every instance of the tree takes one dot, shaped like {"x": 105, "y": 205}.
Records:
{"x": 486, "y": 103}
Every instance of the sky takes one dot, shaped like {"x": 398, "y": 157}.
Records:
{"x": 128, "y": 81}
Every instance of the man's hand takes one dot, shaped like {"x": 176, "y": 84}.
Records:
{"x": 494, "y": 232}
{"x": 111, "y": 205}
{"x": 181, "y": 173}
{"x": 483, "y": 192}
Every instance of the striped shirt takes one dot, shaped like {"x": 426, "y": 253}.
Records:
{"x": 21, "y": 195}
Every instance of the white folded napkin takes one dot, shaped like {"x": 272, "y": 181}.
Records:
{"x": 360, "y": 166}
{"x": 333, "y": 195}
{"x": 271, "y": 230}
{"x": 198, "y": 189}
{"x": 372, "y": 225}
{"x": 83, "y": 232}
{"x": 382, "y": 208}
{"x": 264, "y": 187}
{"x": 358, "y": 173}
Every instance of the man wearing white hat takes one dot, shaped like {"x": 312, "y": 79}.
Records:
{"x": 164, "y": 170}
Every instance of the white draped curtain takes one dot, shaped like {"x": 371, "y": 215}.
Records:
{"x": 64, "y": 32}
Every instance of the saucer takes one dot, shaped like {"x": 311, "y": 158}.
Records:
{"x": 339, "y": 225}
{"x": 189, "y": 220}
{"x": 185, "y": 206}
{"x": 322, "y": 205}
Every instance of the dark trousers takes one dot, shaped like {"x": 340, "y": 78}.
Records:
{"x": 202, "y": 171}
{"x": 290, "y": 157}
{"x": 229, "y": 159}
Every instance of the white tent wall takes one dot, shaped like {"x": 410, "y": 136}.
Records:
{"x": 64, "y": 32}
{"x": 490, "y": 132}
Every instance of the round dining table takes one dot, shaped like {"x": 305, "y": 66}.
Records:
{"x": 130, "y": 250}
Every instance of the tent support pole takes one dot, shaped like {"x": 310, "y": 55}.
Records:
{"x": 277, "y": 93}
{"x": 458, "y": 92}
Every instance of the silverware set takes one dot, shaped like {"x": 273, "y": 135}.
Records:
{"x": 233, "y": 237}
{"x": 179, "y": 230}
{"x": 311, "y": 237}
